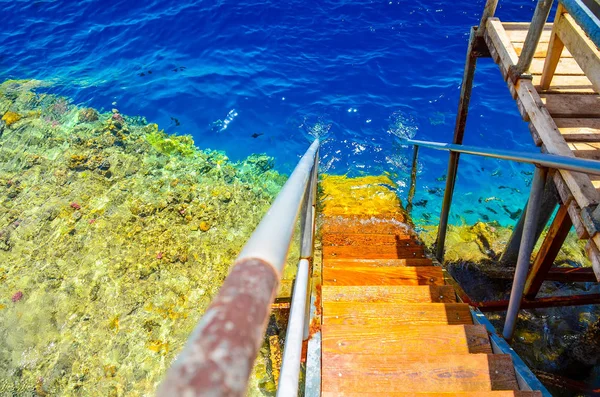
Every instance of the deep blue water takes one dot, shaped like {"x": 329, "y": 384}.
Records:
{"x": 365, "y": 72}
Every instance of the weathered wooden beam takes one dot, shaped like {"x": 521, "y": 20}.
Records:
{"x": 488, "y": 12}
{"x": 555, "y": 49}
{"x": 561, "y": 274}
{"x": 533, "y": 37}
{"x": 554, "y": 301}
{"x": 559, "y": 229}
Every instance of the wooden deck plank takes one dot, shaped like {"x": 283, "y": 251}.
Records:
{"x": 566, "y": 85}
{"x": 356, "y": 239}
{"x": 586, "y": 150}
{"x": 517, "y": 31}
{"x": 406, "y": 339}
{"x": 450, "y": 373}
{"x": 540, "y": 51}
{"x": 364, "y": 224}
{"x": 418, "y": 275}
{"x": 579, "y": 130}
{"x": 388, "y": 293}
{"x": 566, "y": 67}
{"x": 349, "y": 263}
{"x": 572, "y": 106}
{"x": 386, "y": 315}
{"x": 373, "y": 252}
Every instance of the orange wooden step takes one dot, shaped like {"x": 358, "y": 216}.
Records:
{"x": 387, "y": 315}
{"x": 364, "y": 224}
{"x": 405, "y": 339}
{"x": 388, "y": 293}
{"x": 421, "y": 275}
{"x": 343, "y": 263}
{"x": 373, "y": 252}
{"x": 495, "y": 393}
{"x": 395, "y": 240}
{"x": 417, "y": 373}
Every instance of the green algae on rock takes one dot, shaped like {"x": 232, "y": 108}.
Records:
{"x": 117, "y": 236}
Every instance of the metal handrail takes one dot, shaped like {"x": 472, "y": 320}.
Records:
{"x": 219, "y": 355}
{"x": 540, "y": 159}
{"x": 543, "y": 162}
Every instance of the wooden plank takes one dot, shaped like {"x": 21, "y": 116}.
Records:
{"x": 373, "y": 252}
{"x": 565, "y": 67}
{"x": 574, "y": 213}
{"x": 406, "y": 339}
{"x": 579, "y": 130}
{"x": 559, "y": 229}
{"x": 387, "y": 373}
{"x": 495, "y": 393}
{"x": 372, "y": 239}
{"x": 364, "y": 224}
{"x": 517, "y": 31}
{"x": 586, "y": 150}
{"x": 388, "y": 293}
{"x": 418, "y": 275}
{"x": 555, "y": 49}
{"x": 583, "y": 49}
{"x": 563, "y": 190}
{"x": 593, "y": 253}
{"x": 579, "y": 184}
{"x": 348, "y": 263}
{"x": 566, "y": 85}
{"x": 386, "y": 315}
{"x": 540, "y": 51}
{"x": 572, "y": 106}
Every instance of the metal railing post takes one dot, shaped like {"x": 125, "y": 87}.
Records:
{"x": 448, "y": 193}
{"x": 296, "y": 329}
{"x": 413, "y": 180}
{"x": 540, "y": 16}
{"x": 527, "y": 243}
{"x": 218, "y": 357}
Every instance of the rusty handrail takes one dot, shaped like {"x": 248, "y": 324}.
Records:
{"x": 218, "y": 357}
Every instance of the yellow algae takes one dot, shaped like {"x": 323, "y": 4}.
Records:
{"x": 11, "y": 117}
{"x": 365, "y": 195}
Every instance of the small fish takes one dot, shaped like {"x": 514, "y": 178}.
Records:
{"x": 421, "y": 203}
{"x": 526, "y": 172}
{"x": 427, "y": 216}
{"x": 141, "y": 74}
{"x": 437, "y": 191}
{"x": 256, "y": 135}
{"x": 441, "y": 178}
{"x": 497, "y": 173}
{"x": 493, "y": 211}
{"x": 493, "y": 198}
{"x": 469, "y": 212}
{"x": 176, "y": 121}
{"x": 512, "y": 214}
{"x": 149, "y": 71}
{"x": 485, "y": 217}
{"x": 179, "y": 69}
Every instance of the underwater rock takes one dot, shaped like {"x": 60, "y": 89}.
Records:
{"x": 129, "y": 255}
{"x": 17, "y": 296}
{"x": 11, "y": 117}
{"x": 88, "y": 115}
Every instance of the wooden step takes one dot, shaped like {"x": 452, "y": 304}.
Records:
{"x": 423, "y": 373}
{"x": 346, "y": 263}
{"x": 405, "y": 339}
{"x": 420, "y": 275}
{"x": 364, "y": 224}
{"x": 373, "y": 252}
{"x": 387, "y": 315}
{"x": 396, "y": 240}
{"x": 495, "y": 393}
{"x": 388, "y": 293}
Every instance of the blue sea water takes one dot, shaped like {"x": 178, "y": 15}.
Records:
{"x": 364, "y": 73}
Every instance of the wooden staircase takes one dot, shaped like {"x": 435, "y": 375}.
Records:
{"x": 390, "y": 325}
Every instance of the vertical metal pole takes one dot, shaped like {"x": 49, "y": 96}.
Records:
{"x": 292, "y": 353}
{"x": 413, "y": 180}
{"x": 527, "y": 243}
{"x": 540, "y": 16}
{"x": 297, "y": 329}
{"x": 459, "y": 131}
{"x": 488, "y": 12}
{"x": 443, "y": 226}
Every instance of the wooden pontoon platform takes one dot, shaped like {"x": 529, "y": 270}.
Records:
{"x": 391, "y": 326}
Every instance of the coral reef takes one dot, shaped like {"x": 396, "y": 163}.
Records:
{"x": 114, "y": 236}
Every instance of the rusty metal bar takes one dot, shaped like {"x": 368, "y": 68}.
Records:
{"x": 525, "y": 250}
{"x": 219, "y": 355}
{"x": 539, "y": 303}
{"x": 413, "y": 180}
